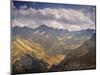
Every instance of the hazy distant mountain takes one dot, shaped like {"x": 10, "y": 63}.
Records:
{"x": 42, "y": 28}
{"x": 26, "y": 31}
{"x": 22, "y": 31}
{"x": 54, "y": 41}
{"x": 51, "y": 30}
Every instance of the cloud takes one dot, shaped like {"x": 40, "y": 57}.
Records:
{"x": 70, "y": 19}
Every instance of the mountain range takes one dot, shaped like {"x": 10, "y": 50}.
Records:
{"x": 51, "y": 49}
{"x": 45, "y": 29}
{"x": 50, "y": 37}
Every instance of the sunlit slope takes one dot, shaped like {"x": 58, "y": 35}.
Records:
{"x": 22, "y": 46}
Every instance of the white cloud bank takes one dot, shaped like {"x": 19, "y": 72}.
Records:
{"x": 70, "y": 19}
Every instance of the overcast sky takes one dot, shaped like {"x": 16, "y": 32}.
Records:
{"x": 61, "y": 16}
